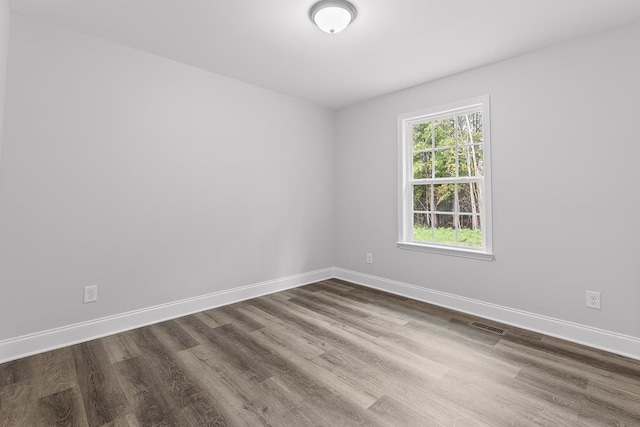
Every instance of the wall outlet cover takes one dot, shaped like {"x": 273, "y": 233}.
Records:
{"x": 90, "y": 293}
{"x": 593, "y": 300}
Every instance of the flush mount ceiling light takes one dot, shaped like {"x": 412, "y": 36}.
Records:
{"x": 332, "y": 16}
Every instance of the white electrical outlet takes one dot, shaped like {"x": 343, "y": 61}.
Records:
{"x": 90, "y": 293}
{"x": 369, "y": 258}
{"x": 593, "y": 300}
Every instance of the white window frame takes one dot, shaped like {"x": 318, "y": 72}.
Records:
{"x": 406, "y": 180}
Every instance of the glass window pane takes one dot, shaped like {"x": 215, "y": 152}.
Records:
{"x": 463, "y": 130}
{"x": 465, "y": 164}
{"x": 422, "y": 136}
{"x": 470, "y": 128}
{"x": 445, "y": 231}
{"x": 422, "y": 228}
{"x": 423, "y": 165}
{"x": 422, "y": 197}
{"x": 445, "y": 132}
{"x": 445, "y": 164}
{"x": 470, "y": 158}
{"x": 475, "y": 120}
{"x": 470, "y": 231}
{"x": 443, "y": 197}
{"x": 477, "y": 157}
{"x": 469, "y": 198}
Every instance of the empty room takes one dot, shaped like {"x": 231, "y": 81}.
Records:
{"x": 319, "y": 213}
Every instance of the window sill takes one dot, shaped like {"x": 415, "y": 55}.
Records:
{"x": 441, "y": 250}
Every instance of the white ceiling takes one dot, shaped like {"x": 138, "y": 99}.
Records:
{"x": 393, "y": 44}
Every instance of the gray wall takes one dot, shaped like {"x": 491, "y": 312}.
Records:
{"x": 155, "y": 180}
{"x": 565, "y": 156}
{"x": 5, "y": 18}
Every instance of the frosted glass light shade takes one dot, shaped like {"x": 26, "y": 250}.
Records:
{"x": 332, "y": 16}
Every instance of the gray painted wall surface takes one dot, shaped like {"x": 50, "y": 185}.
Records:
{"x": 155, "y": 180}
{"x": 565, "y": 149}
{"x": 5, "y": 19}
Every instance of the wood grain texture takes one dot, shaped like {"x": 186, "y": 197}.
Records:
{"x": 180, "y": 390}
{"x": 139, "y": 385}
{"x": 102, "y": 395}
{"x": 330, "y": 353}
{"x": 64, "y": 408}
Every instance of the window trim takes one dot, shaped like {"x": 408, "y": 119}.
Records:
{"x": 405, "y": 170}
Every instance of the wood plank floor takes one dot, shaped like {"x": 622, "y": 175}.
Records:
{"x": 327, "y": 354}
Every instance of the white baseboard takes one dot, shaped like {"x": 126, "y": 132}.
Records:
{"x": 593, "y": 337}
{"x": 16, "y": 348}
{"x": 27, "y": 345}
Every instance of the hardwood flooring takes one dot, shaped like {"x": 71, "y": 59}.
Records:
{"x": 328, "y": 354}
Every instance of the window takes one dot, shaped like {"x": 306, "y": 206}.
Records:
{"x": 445, "y": 181}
